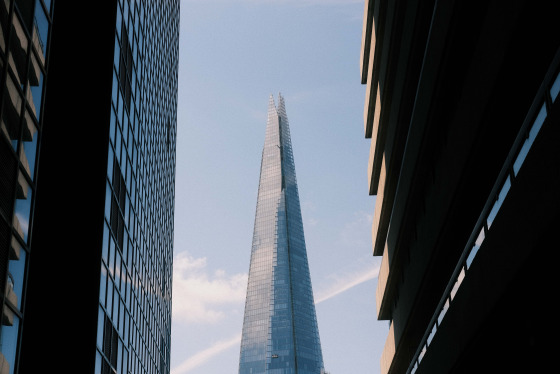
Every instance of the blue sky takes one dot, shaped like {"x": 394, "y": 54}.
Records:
{"x": 233, "y": 55}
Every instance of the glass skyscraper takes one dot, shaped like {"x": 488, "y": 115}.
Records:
{"x": 24, "y": 41}
{"x": 280, "y": 333}
{"x": 98, "y": 289}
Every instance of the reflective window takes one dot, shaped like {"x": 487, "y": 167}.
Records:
{"x": 533, "y": 132}
{"x": 41, "y": 26}
{"x": 9, "y": 338}
{"x": 17, "y": 61}
{"x": 476, "y": 247}
{"x": 499, "y": 200}
{"x": 35, "y": 88}
{"x": 16, "y": 273}
{"x": 29, "y": 143}
{"x": 22, "y": 207}
{"x": 141, "y": 224}
{"x": 13, "y": 102}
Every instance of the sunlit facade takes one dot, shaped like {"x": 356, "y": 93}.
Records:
{"x": 24, "y": 37}
{"x": 280, "y": 333}
{"x": 99, "y": 287}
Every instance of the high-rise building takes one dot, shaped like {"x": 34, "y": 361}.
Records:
{"x": 24, "y": 40}
{"x": 463, "y": 113}
{"x": 98, "y": 295}
{"x": 280, "y": 333}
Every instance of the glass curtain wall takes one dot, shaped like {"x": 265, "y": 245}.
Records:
{"x": 280, "y": 333}
{"x": 134, "y": 323}
{"x": 24, "y": 37}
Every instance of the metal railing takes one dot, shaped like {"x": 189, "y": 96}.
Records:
{"x": 504, "y": 182}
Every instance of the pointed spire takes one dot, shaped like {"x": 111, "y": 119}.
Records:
{"x": 279, "y": 308}
{"x": 271, "y": 107}
{"x": 281, "y": 106}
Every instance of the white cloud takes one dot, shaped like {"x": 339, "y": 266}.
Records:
{"x": 205, "y": 355}
{"x": 345, "y": 281}
{"x": 199, "y": 297}
{"x": 194, "y": 294}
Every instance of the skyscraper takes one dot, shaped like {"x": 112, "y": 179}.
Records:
{"x": 99, "y": 281}
{"x": 24, "y": 40}
{"x": 280, "y": 333}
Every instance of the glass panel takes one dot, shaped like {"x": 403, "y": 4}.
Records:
{"x": 113, "y": 126}
{"x": 118, "y": 143}
{"x": 422, "y": 353}
{"x": 108, "y": 199}
{"x": 112, "y": 254}
{"x": 536, "y": 127}
{"x": 533, "y": 132}
{"x": 121, "y": 317}
{"x": 498, "y": 204}
{"x": 119, "y": 357}
{"x": 115, "y": 89}
{"x": 117, "y": 56}
{"x": 521, "y": 156}
{"x": 48, "y": 5}
{"x": 443, "y": 311}
{"x": 432, "y": 333}
{"x": 118, "y": 270}
{"x": 100, "y": 325}
{"x": 9, "y": 337}
{"x": 11, "y": 112}
{"x": 29, "y": 143}
{"x": 103, "y": 285}
{"x": 16, "y": 274}
{"x": 36, "y": 87}
{"x": 41, "y": 27}
{"x": 17, "y": 59}
{"x": 109, "y": 297}
{"x": 458, "y": 283}
{"x": 105, "y": 251}
{"x": 476, "y": 246}
{"x": 22, "y": 208}
{"x": 98, "y": 359}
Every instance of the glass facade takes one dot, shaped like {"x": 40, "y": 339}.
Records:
{"x": 280, "y": 333}
{"x": 134, "y": 321}
{"x": 24, "y": 38}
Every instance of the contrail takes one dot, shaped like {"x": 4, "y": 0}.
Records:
{"x": 204, "y": 356}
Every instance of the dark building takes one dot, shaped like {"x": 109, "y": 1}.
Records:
{"x": 280, "y": 333}
{"x": 463, "y": 113}
{"x": 98, "y": 292}
{"x": 24, "y": 40}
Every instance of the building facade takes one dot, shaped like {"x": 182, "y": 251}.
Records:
{"x": 280, "y": 333}
{"x": 462, "y": 111}
{"x": 98, "y": 296}
{"x": 24, "y": 40}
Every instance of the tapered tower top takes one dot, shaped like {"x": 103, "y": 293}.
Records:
{"x": 280, "y": 333}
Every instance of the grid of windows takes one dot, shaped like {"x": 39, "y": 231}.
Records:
{"x": 280, "y": 333}
{"x": 24, "y": 32}
{"x": 134, "y": 324}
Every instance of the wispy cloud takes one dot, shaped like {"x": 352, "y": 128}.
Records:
{"x": 199, "y": 297}
{"x": 205, "y": 355}
{"x": 344, "y": 281}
